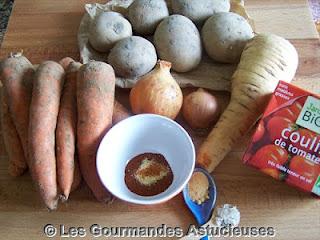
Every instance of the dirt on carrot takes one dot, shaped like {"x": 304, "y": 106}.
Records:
{"x": 66, "y": 131}
{"x": 17, "y": 162}
{"x": 65, "y": 62}
{"x": 47, "y": 88}
{"x": 95, "y": 101}
{"x": 16, "y": 73}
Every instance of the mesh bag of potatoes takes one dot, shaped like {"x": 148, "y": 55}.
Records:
{"x": 202, "y": 41}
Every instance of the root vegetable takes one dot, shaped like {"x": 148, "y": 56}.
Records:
{"x": 225, "y": 35}
{"x": 64, "y": 62}
{"x": 199, "y": 12}
{"x": 133, "y": 57}
{"x": 16, "y": 75}
{"x": 95, "y": 101}
{"x": 157, "y": 93}
{"x": 266, "y": 59}
{"x": 178, "y": 41}
{"x": 66, "y": 130}
{"x": 200, "y": 109}
{"x": 119, "y": 113}
{"x": 77, "y": 177}
{"x": 145, "y": 15}
{"x": 107, "y": 29}
{"x": 48, "y": 82}
{"x": 17, "y": 162}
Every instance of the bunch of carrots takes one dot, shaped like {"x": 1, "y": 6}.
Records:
{"x": 53, "y": 117}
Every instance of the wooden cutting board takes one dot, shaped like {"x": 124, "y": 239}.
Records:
{"x": 48, "y": 30}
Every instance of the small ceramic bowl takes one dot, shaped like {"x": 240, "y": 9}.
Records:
{"x": 142, "y": 134}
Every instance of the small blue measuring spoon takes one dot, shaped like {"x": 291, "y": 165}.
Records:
{"x": 202, "y": 212}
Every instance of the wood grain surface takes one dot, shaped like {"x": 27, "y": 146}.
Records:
{"x": 48, "y": 30}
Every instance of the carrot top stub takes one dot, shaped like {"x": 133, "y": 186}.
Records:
{"x": 286, "y": 143}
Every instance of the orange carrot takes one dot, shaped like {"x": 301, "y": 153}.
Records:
{"x": 64, "y": 62}
{"x": 66, "y": 131}
{"x": 17, "y": 162}
{"x": 17, "y": 75}
{"x": 44, "y": 110}
{"x": 119, "y": 113}
{"x": 76, "y": 176}
{"x": 95, "y": 100}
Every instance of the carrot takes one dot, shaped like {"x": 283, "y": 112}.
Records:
{"x": 17, "y": 75}
{"x": 76, "y": 179}
{"x": 119, "y": 113}
{"x": 64, "y": 62}
{"x": 66, "y": 131}
{"x": 17, "y": 162}
{"x": 95, "y": 100}
{"x": 44, "y": 110}
{"x": 265, "y": 60}
{"x": 76, "y": 176}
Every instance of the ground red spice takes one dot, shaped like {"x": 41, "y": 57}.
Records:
{"x": 158, "y": 164}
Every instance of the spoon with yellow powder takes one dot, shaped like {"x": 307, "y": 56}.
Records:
{"x": 200, "y": 196}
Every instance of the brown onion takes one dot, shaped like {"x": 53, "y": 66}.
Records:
{"x": 200, "y": 109}
{"x": 157, "y": 92}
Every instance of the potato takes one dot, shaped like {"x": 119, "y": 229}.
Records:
{"x": 145, "y": 15}
{"x": 108, "y": 28}
{"x": 178, "y": 41}
{"x": 225, "y": 36}
{"x": 199, "y": 12}
{"x": 133, "y": 57}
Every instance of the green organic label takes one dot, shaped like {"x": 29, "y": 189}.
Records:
{"x": 316, "y": 187}
{"x": 310, "y": 115}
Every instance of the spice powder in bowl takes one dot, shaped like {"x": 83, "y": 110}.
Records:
{"x": 148, "y": 174}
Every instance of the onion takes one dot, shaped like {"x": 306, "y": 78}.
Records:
{"x": 157, "y": 92}
{"x": 200, "y": 109}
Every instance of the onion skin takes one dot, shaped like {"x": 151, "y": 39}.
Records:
{"x": 157, "y": 92}
{"x": 200, "y": 109}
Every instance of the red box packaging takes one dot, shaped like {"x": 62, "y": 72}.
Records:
{"x": 286, "y": 143}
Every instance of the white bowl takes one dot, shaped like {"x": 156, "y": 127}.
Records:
{"x": 141, "y": 134}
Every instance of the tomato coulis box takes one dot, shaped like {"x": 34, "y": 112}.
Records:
{"x": 286, "y": 143}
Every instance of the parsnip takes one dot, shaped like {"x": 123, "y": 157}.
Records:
{"x": 265, "y": 60}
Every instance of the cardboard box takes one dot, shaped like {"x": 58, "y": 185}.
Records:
{"x": 286, "y": 143}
